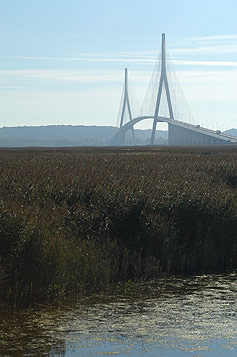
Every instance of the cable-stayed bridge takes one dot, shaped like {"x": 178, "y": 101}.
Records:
{"x": 162, "y": 104}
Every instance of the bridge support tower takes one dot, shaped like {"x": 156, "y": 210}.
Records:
{"x": 163, "y": 82}
{"x": 126, "y": 103}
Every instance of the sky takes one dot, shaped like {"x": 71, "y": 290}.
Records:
{"x": 62, "y": 61}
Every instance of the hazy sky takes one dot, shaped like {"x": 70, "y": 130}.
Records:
{"x": 62, "y": 61}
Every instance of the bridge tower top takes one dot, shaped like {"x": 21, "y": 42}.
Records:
{"x": 163, "y": 56}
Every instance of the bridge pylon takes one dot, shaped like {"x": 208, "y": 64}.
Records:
{"x": 126, "y": 103}
{"x": 179, "y": 132}
{"x": 163, "y": 82}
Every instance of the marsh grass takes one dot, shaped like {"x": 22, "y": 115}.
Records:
{"x": 75, "y": 221}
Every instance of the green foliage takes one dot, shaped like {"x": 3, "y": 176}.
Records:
{"x": 74, "y": 221}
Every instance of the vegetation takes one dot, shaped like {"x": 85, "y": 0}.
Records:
{"x": 76, "y": 220}
{"x": 71, "y": 135}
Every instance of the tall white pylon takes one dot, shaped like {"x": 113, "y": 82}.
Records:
{"x": 126, "y": 102}
{"x": 163, "y": 80}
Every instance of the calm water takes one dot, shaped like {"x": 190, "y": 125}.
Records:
{"x": 173, "y": 317}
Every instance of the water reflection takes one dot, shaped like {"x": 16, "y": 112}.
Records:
{"x": 173, "y": 317}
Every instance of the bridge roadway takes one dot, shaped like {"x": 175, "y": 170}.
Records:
{"x": 178, "y": 133}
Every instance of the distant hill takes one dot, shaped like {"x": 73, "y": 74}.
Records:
{"x": 76, "y": 135}
{"x": 69, "y": 135}
{"x": 232, "y": 132}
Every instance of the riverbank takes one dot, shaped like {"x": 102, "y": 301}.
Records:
{"x": 73, "y": 221}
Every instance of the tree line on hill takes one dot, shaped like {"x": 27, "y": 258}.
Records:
{"x": 79, "y": 135}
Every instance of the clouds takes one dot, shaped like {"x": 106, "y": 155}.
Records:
{"x": 216, "y": 38}
{"x": 206, "y": 47}
{"x": 216, "y": 50}
{"x": 64, "y": 75}
{"x": 86, "y": 88}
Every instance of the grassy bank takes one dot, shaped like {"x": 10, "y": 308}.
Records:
{"x": 74, "y": 221}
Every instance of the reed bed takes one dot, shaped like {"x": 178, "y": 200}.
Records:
{"x": 74, "y": 221}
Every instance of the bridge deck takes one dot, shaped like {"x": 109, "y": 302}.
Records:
{"x": 195, "y": 128}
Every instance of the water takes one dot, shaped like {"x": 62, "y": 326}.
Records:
{"x": 193, "y": 316}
